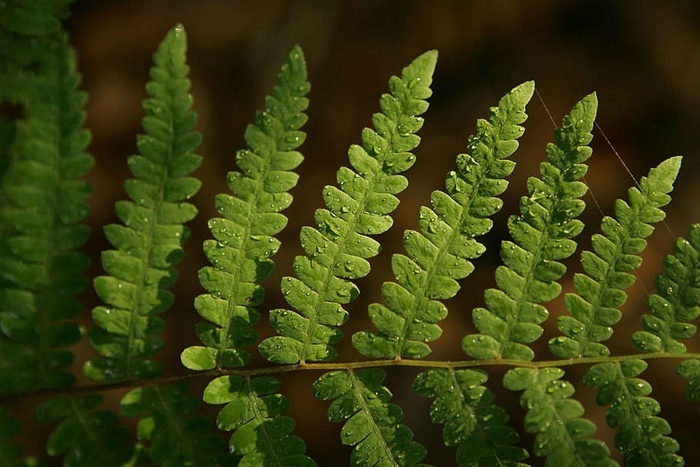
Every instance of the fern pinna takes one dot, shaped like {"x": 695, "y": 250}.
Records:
{"x": 41, "y": 272}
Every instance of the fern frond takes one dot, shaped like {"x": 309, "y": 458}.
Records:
{"x": 337, "y": 250}
{"x": 607, "y": 269}
{"x": 84, "y": 431}
{"x": 690, "y": 370}
{"x": 141, "y": 268}
{"x": 176, "y": 437}
{"x": 676, "y": 302}
{"x": 542, "y": 235}
{"x": 472, "y": 421}
{"x": 32, "y": 18}
{"x": 240, "y": 255}
{"x": 148, "y": 245}
{"x": 373, "y": 424}
{"x": 240, "y": 260}
{"x": 641, "y": 434}
{"x": 254, "y": 411}
{"x": 42, "y": 212}
{"x": 28, "y": 31}
{"x": 439, "y": 255}
{"x": 563, "y": 436}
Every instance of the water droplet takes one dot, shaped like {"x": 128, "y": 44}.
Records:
{"x": 414, "y": 82}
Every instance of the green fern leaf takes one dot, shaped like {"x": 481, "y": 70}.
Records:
{"x": 43, "y": 206}
{"x": 690, "y": 370}
{"x": 641, "y": 434}
{"x": 542, "y": 235}
{"x": 33, "y": 17}
{"x": 176, "y": 438}
{"x": 439, "y": 255}
{"x": 240, "y": 259}
{"x": 472, "y": 421}
{"x": 373, "y": 424}
{"x": 83, "y": 431}
{"x": 338, "y": 249}
{"x": 244, "y": 235}
{"x": 563, "y": 436}
{"x": 677, "y": 300}
{"x": 148, "y": 245}
{"x": 607, "y": 269}
{"x": 253, "y": 410}
{"x": 28, "y": 31}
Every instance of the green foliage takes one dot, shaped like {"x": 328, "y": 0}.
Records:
{"x": 373, "y": 425}
{"x": 244, "y": 236}
{"x": 473, "y": 423}
{"x": 641, "y": 435}
{"x": 42, "y": 207}
{"x": 28, "y": 33}
{"x": 676, "y": 303}
{"x": 439, "y": 255}
{"x": 338, "y": 249}
{"x": 607, "y": 270}
{"x": 82, "y": 430}
{"x": 148, "y": 243}
{"x": 178, "y": 435}
{"x": 562, "y": 435}
{"x": 255, "y": 413}
{"x": 542, "y": 235}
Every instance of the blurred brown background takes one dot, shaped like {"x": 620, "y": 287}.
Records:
{"x": 641, "y": 57}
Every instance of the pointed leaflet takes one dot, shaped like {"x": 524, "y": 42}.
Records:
{"x": 473, "y": 423}
{"x": 439, "y": 255}
{"x": 373, "y": 424}
{"x": 240, "y": 260}
{"x": 563, "y": 436}
{"x": 677, "y": 300}
{"x": 83, "y": 432}
{"x": 641, "y": 434}
{"x": 607, "y": 269}
{"x": 542, "y": 235}
{"x": 175, "y": 435}
{"x": 337, "y": 249}
{"x": 148, "y": 244}
{"x": 142, "y": 267}
{"x": 41, "y": 217}
{"x": 254, "y": 412}
{"x": 244, "y": 242}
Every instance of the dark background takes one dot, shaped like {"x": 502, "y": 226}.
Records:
{"x": 641, "y": 57}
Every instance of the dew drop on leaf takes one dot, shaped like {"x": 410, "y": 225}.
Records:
{"x": 414, "y": 82}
